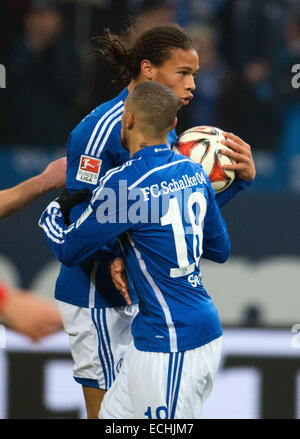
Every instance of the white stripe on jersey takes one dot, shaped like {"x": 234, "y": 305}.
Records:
{"x": 154, "y": 170}
{"x": 52, "y": 214}
{"x": 162, "y": 302}
{"x": 44, "y": 227}
{"x": 60, "y": 237}
{"x": 98, "y": 125}
{"x": 108, "y": 121}
{"x": 107, "y": 176}
{"x": 51, "y": 228}
{"x": 108, "y": 134}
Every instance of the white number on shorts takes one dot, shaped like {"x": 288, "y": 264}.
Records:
{"x": 161, "y": 410}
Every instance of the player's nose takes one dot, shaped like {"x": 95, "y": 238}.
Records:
{"x": 190, "y": 85}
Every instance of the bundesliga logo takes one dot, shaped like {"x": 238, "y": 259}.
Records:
{"x": 89, "y": 169}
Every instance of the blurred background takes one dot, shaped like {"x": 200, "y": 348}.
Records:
{"x": 249, "y": 84}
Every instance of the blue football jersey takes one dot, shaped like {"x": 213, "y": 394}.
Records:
{"x": 162, "y": 207}
{"x": 93, "y": 148}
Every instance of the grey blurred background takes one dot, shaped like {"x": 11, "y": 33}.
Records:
{"x": 247, "y": 84}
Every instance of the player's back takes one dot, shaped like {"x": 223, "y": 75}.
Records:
{"x": 94, "y": 147}
{"x": 176, "y": 219}
{"x": 163, "y": 207}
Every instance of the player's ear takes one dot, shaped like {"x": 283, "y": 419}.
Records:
{"x": 174, "y": 124}
{"x": 129, "y": 121}
{"x": 147, "y": 69}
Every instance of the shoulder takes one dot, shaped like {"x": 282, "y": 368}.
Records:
{"x": 121, "y": 176}
{"x": 91, "y": 134}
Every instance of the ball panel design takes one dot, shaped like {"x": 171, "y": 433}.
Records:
{"x": 202, "y": 145}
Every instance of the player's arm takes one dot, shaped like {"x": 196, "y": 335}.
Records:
{"x": 94, "y": 228}
{"x": 17, "y": 197}
{"x": 244, "y": 166}
{"x": 27, "y": 313}
{"x": 216, "y": 242}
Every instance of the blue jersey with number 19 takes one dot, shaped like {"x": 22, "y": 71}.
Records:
{"x": 163, "y": 207}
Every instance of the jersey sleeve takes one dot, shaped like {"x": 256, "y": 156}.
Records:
{"x": 236, "y": 186}
{"x": 216, "y": 243}
{"x": 77, "y": 147}
{"x": 89, "y": 160}
{"x": 94, "y": 228}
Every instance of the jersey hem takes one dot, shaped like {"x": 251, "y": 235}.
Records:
{"x": 80, "y": 305}
{"x": 205, "y": 341}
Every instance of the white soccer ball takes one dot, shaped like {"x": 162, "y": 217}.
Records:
{"x": 202, "y": 145}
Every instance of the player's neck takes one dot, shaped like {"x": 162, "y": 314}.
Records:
{"x": 134, "y": 82}
{"x": 141, "y": 142}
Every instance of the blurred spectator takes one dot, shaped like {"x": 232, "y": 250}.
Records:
{"x": 258, "y": 28}
{"x": 97, "y": 85}
{"x": 252, "y": 317}
{"x": 212, "y": 71}
{"x": 285, "y": 59}
{"x": 202, "y": 12}
{"x": 155, "y": 11}
{"x": 246, "y": 106}
{"x": 287, "y": 100}
{"x": 43, "y": 79}
{"x": 11, "y": 17}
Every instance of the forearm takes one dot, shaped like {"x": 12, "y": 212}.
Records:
{"x": 217, "y": 251}
{"x": 69, "y": 245}
{"x": 16, "y": 198}
{"x": 27, "y": 313}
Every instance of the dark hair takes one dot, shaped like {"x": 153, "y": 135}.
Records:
{"x": 155, "y": 106}
{"x": 139, "y": 42}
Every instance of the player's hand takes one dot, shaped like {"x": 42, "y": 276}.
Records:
{"x": 30, "y": 315}
{"x": 67, "y": 201}
{"x": 119, "y": 278}
{"x": 54, "y": 176}
{"x": 241, "y": 153}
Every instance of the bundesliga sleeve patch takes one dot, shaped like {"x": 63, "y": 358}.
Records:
{"x": 89, "y": 169}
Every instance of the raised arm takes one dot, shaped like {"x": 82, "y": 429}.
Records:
{"x": 18, "y": 197}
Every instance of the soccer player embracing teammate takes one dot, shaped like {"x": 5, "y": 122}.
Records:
{"x": 169, "y": 369}
{"x": 95, "y": 315}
